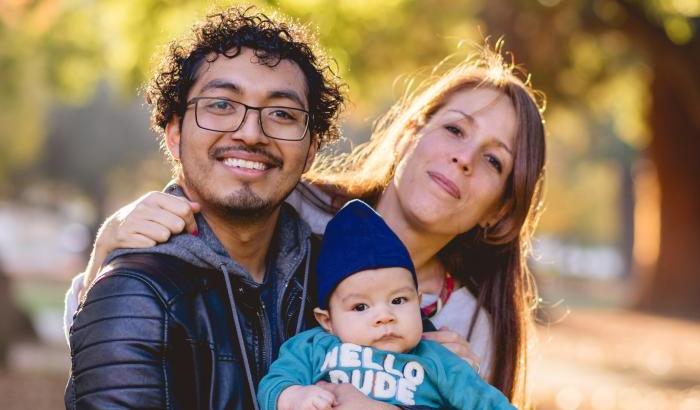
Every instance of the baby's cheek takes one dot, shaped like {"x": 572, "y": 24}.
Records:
{"x": 350, "y": 332}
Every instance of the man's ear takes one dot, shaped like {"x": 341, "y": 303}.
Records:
{"x": 172, "y": 137}
{"x": 323, "y": 317}
{"x": 313, "y": 149}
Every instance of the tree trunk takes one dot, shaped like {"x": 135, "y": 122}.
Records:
{"x": 675, "y": 149}
{"x": 674, "y": 119}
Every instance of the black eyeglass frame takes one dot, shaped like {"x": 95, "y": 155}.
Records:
{"x": 195, "y": 101}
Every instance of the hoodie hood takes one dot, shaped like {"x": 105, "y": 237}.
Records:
{"x": 288, "y": 247}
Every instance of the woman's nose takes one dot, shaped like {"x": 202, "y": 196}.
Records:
{"x": 464, "y": 159}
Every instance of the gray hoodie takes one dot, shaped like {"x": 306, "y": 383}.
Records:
{"x": 290, "y": 244}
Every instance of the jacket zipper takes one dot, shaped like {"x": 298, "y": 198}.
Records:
{"x": 306, "y": 254}
{"x": 267, "y": 342}
{"x": 290, "y": 292}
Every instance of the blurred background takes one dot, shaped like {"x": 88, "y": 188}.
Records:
{"x": 617, "y": 251}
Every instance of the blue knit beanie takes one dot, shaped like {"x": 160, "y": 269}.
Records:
{"x": 357, "y": 239}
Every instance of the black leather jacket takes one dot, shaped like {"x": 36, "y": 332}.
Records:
{"x": 157, "y": 333}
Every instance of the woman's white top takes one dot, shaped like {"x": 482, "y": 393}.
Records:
{"x": 456, "y": 314}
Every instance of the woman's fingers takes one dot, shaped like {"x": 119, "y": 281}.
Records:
{"x": 172, "y": 222}
{"x": 141, "y": 241}
{"x": 156, "y": 231}
{"x": 174, "y": 213}
{"x": 464, "y": 352}
{"x": 180, "y": 207}
{"x": 143, "y": 223}
{"x": 443, "y": 336}
{"x": 456, "y": 344}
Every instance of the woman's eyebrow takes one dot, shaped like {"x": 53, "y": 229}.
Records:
{"x": 468, "y": 117}
{"x": 503, "y": 145}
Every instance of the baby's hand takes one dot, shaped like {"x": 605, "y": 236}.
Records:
{"x": 305, "y": 398}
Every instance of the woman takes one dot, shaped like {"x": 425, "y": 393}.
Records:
{"x": 455, "y": 169}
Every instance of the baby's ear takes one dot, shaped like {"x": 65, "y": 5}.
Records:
{"x": 323, "y": 317}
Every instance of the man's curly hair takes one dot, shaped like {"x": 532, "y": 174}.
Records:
{"x": 273, "y": 39}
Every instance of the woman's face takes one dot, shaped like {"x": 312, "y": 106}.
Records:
{"x": 454, "y": 176}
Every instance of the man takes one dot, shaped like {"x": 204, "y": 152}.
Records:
{"x": 243, "y": 104}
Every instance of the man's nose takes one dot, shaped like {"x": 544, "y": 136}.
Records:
{"x": 250, "y": 131}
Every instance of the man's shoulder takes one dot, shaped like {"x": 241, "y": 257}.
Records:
{"x": 166, "y": 276}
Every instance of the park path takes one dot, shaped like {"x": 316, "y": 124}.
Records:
{"x": 616, "y": 359}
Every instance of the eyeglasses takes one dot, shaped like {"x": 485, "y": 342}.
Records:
{"x": 225, "y": 115}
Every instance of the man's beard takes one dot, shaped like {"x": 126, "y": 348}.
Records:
{"x": 243, "y": 205}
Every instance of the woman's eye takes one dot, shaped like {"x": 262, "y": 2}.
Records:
{"x": 453, "y": 130}
{"x": 360, "y": 307}
{"x": 399, "y": 301}
{"x": 495, "y": 163}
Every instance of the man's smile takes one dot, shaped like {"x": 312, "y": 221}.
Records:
{"x": 242, "y": 163}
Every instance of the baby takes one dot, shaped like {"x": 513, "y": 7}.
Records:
{"x": 370, "y": 334}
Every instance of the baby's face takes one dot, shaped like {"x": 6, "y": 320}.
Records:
{"x": 378, "y": 308}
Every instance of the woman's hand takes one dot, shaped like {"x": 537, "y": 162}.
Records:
{"x": 456, "y": 344}
{"x": 149, "y": 220}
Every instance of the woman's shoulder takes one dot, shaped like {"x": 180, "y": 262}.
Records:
{"x": 313, "y": 204}
{"x": 458, "y": 313}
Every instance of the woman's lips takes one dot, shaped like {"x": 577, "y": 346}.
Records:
{"x": 446, "y": 184}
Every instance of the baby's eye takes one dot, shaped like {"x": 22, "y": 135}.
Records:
{"x": 360, "y": 307}
{"x": 399, "y": 301}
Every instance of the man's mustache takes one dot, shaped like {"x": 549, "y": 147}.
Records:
{"x": 272, "y": 159}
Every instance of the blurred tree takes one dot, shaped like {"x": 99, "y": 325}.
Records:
{"x": 665, "y": 31}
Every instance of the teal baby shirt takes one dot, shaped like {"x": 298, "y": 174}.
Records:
{"x": 429, "y": 375}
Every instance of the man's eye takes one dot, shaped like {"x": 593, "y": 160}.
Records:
{"x": 220, "y": 105}
{"x": 399, "y": 301}
{"x": 284, "y": 114}
{"x": 360, "y": 307}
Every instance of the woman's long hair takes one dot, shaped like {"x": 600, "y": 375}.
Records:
{"x": 490, "y": 262}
